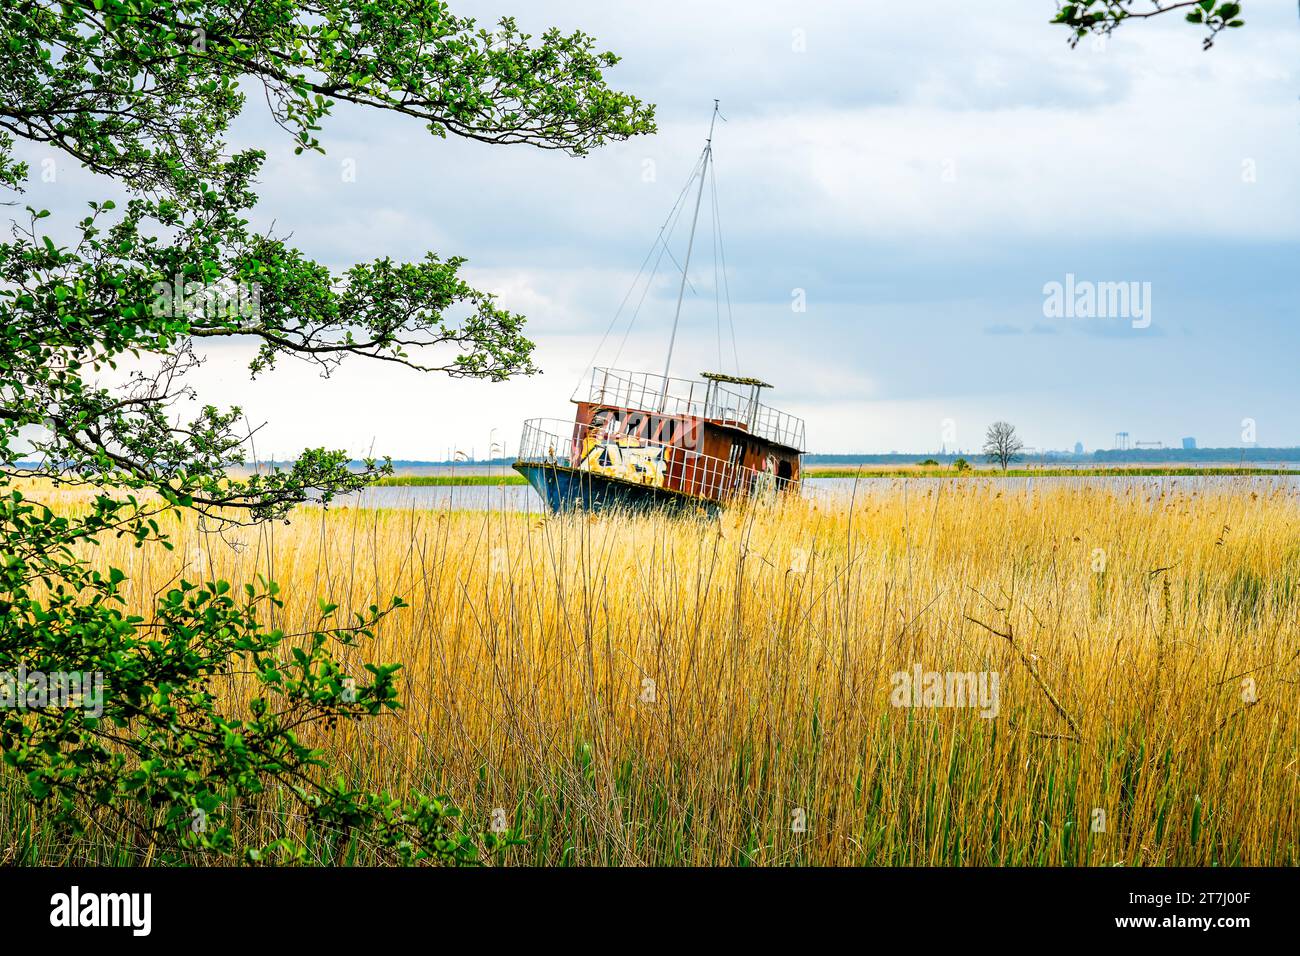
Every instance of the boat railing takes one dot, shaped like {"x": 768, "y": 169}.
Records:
{"x": 698, "y": 399}
{"x": 640, "y": 460}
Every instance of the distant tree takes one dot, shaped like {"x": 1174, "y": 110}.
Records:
{"x": 1102, "y": 17}
{"x": 928, "y": 462}
{"x": 1002, "y": 445}
{"x": 961, "y": 464}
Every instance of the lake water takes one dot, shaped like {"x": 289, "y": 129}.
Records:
{"x": 523, "y": 498}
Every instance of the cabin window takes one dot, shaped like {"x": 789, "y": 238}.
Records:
{"x": 614, "y": 422}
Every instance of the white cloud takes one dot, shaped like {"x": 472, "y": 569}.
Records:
{"x": 832, "y": 173}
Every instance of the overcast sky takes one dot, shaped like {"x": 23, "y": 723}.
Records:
{"x": 919, "y": 171}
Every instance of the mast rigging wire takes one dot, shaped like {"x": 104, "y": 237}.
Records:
{"x": 661, "y": 246}
{"x": 661, "y": 243}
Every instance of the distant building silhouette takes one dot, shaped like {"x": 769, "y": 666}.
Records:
{"x": 1078, "y": 448}
{"x": 1189, "y": 443}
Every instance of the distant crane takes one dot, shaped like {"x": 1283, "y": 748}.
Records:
{"x": 1148, "y": 444}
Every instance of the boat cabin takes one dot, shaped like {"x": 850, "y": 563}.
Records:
{"x": 710, "y": 439}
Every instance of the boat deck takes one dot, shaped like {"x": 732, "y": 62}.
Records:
{"x": 723, "y": 400}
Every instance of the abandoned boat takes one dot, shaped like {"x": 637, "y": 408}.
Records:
{"x": 641, "y": 440}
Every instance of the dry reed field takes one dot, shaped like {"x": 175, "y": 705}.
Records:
{"x": 629, "y": 690}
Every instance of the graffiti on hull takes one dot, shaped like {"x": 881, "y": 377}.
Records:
{"x": 626, "y": 458}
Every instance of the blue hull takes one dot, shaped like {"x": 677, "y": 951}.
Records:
{"x": 570, "y": 489}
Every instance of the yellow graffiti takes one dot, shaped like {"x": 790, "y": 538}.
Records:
{"x": 626, "y": 458}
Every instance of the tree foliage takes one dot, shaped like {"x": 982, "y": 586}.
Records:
{"x": 97, "y": 337}
{"x": 1103, "y": 17}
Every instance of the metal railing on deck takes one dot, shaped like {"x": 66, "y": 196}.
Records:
{"x": 681, "y": 396}
{"x": 641, "y": 461}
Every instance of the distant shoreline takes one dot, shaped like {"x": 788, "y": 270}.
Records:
{"x": 1047, "y": 471}
{"x": 1102, "y": 457}
{"x": 1171, "y": 461}
{"x": 477, "y": 479}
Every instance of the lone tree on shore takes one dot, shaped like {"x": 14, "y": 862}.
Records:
{"x": 1002, "y": 445}
{"x": 143, "y": 95}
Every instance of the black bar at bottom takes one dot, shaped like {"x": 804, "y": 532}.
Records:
{"x": 213, "y": 906}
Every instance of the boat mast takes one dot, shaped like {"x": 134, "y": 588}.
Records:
{"x": 690, "y": 244}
